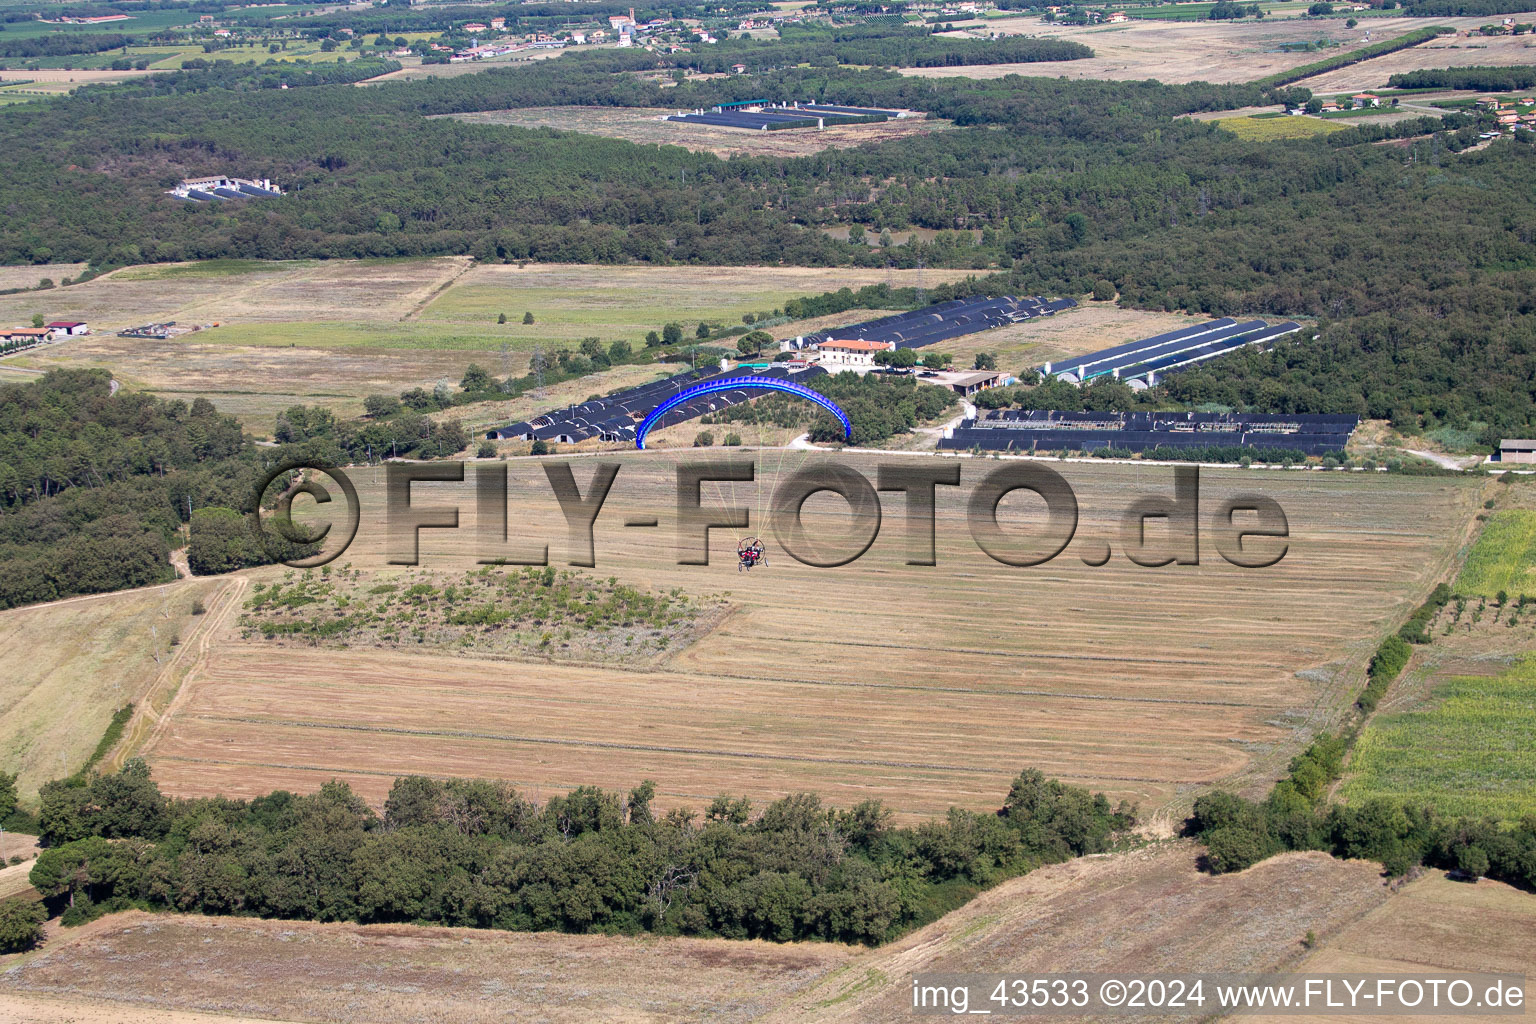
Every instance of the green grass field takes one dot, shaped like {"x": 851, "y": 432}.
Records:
{"x": 560, "y": 312}
{"x": 1468, "y": 752}
{"x": 414, "y": 335}
{"x": 1273, "y": 129}
{"x": 1503, "y": 558}
{"x": 1202, "y": 12}
{"x": 208, "y": 268}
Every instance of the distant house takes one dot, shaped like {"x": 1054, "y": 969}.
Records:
{"x": 1509, "y": 118}
{"x": 1517, "y": 451}
{"x": 73, "y": 328}
{"x": 1117, "y": 16}
{"x": 1365, "y": 99}
{"x": 978, "y": 380}
{"x": 738, "y": 69}
{"x": 474, "y": 27}
{"x": 579, "y": 38}
{"x": 497, "y": 24}
{"x": 26, "y": 335}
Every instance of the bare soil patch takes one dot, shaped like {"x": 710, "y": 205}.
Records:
{"x": 29, "y": 275}
{"x": 1145, "y": 912}
{"x": 209, "y": 968}
{"x": 1196, "y": 51}
{"x": 1432, "y": 925}
{"x": 647, "y": 126}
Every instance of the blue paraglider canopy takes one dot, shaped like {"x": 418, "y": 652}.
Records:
{"x": 739, "y": 384}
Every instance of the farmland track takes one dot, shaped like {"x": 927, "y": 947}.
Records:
{"x": 147, "y": 726}
{"x": 466, "y": 265}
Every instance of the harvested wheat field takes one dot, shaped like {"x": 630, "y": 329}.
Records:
{"x": 29, "y": 275}
{"x": 1432, "y": 926}
{"x": 1206, "y": 51}
{"x": 646, "y": 126}
{"x": 144, "y": 969}
{"x": 71, "y": 663}
{"x": 1145, "y": 912}
{"x": 1148, "y": 683}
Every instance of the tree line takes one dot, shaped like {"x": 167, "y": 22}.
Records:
{"x": 477, "y": 853}
{"x": 888, "y": 45}
{"x": 62, "y": 44}
{"x": 1483, "y": 79}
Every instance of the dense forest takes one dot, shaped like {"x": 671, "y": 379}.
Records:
{"x": 96, "y": 485}
{"x": 1063, "y": 185}
{"x": 479, "y": 854}
{"x": 61, "y": 44}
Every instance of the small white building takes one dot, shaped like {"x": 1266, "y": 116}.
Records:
{"x": 72, "y": 328}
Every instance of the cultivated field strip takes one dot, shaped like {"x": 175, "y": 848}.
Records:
{"x": 924, "y": 686}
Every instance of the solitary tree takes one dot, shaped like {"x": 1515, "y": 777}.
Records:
{"x": 672, "y": 334}
{"x": 652, "y": 339}
{"x": 501, "y": 318}
{"x": 527, "y": 318}
{"x": 703, "y": 330}
{"x": 476, "y": 378}
{"x": 752, "y": 343}
{"x": 37, "y": 319}
{"x": 985, "y": 361}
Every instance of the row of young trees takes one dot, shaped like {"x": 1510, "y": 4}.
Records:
{"x": 477, "y": 853}
{"x": 890, "y": 43}
{"x": 61, "y": 44}
{"x": 1401, "y": 835}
